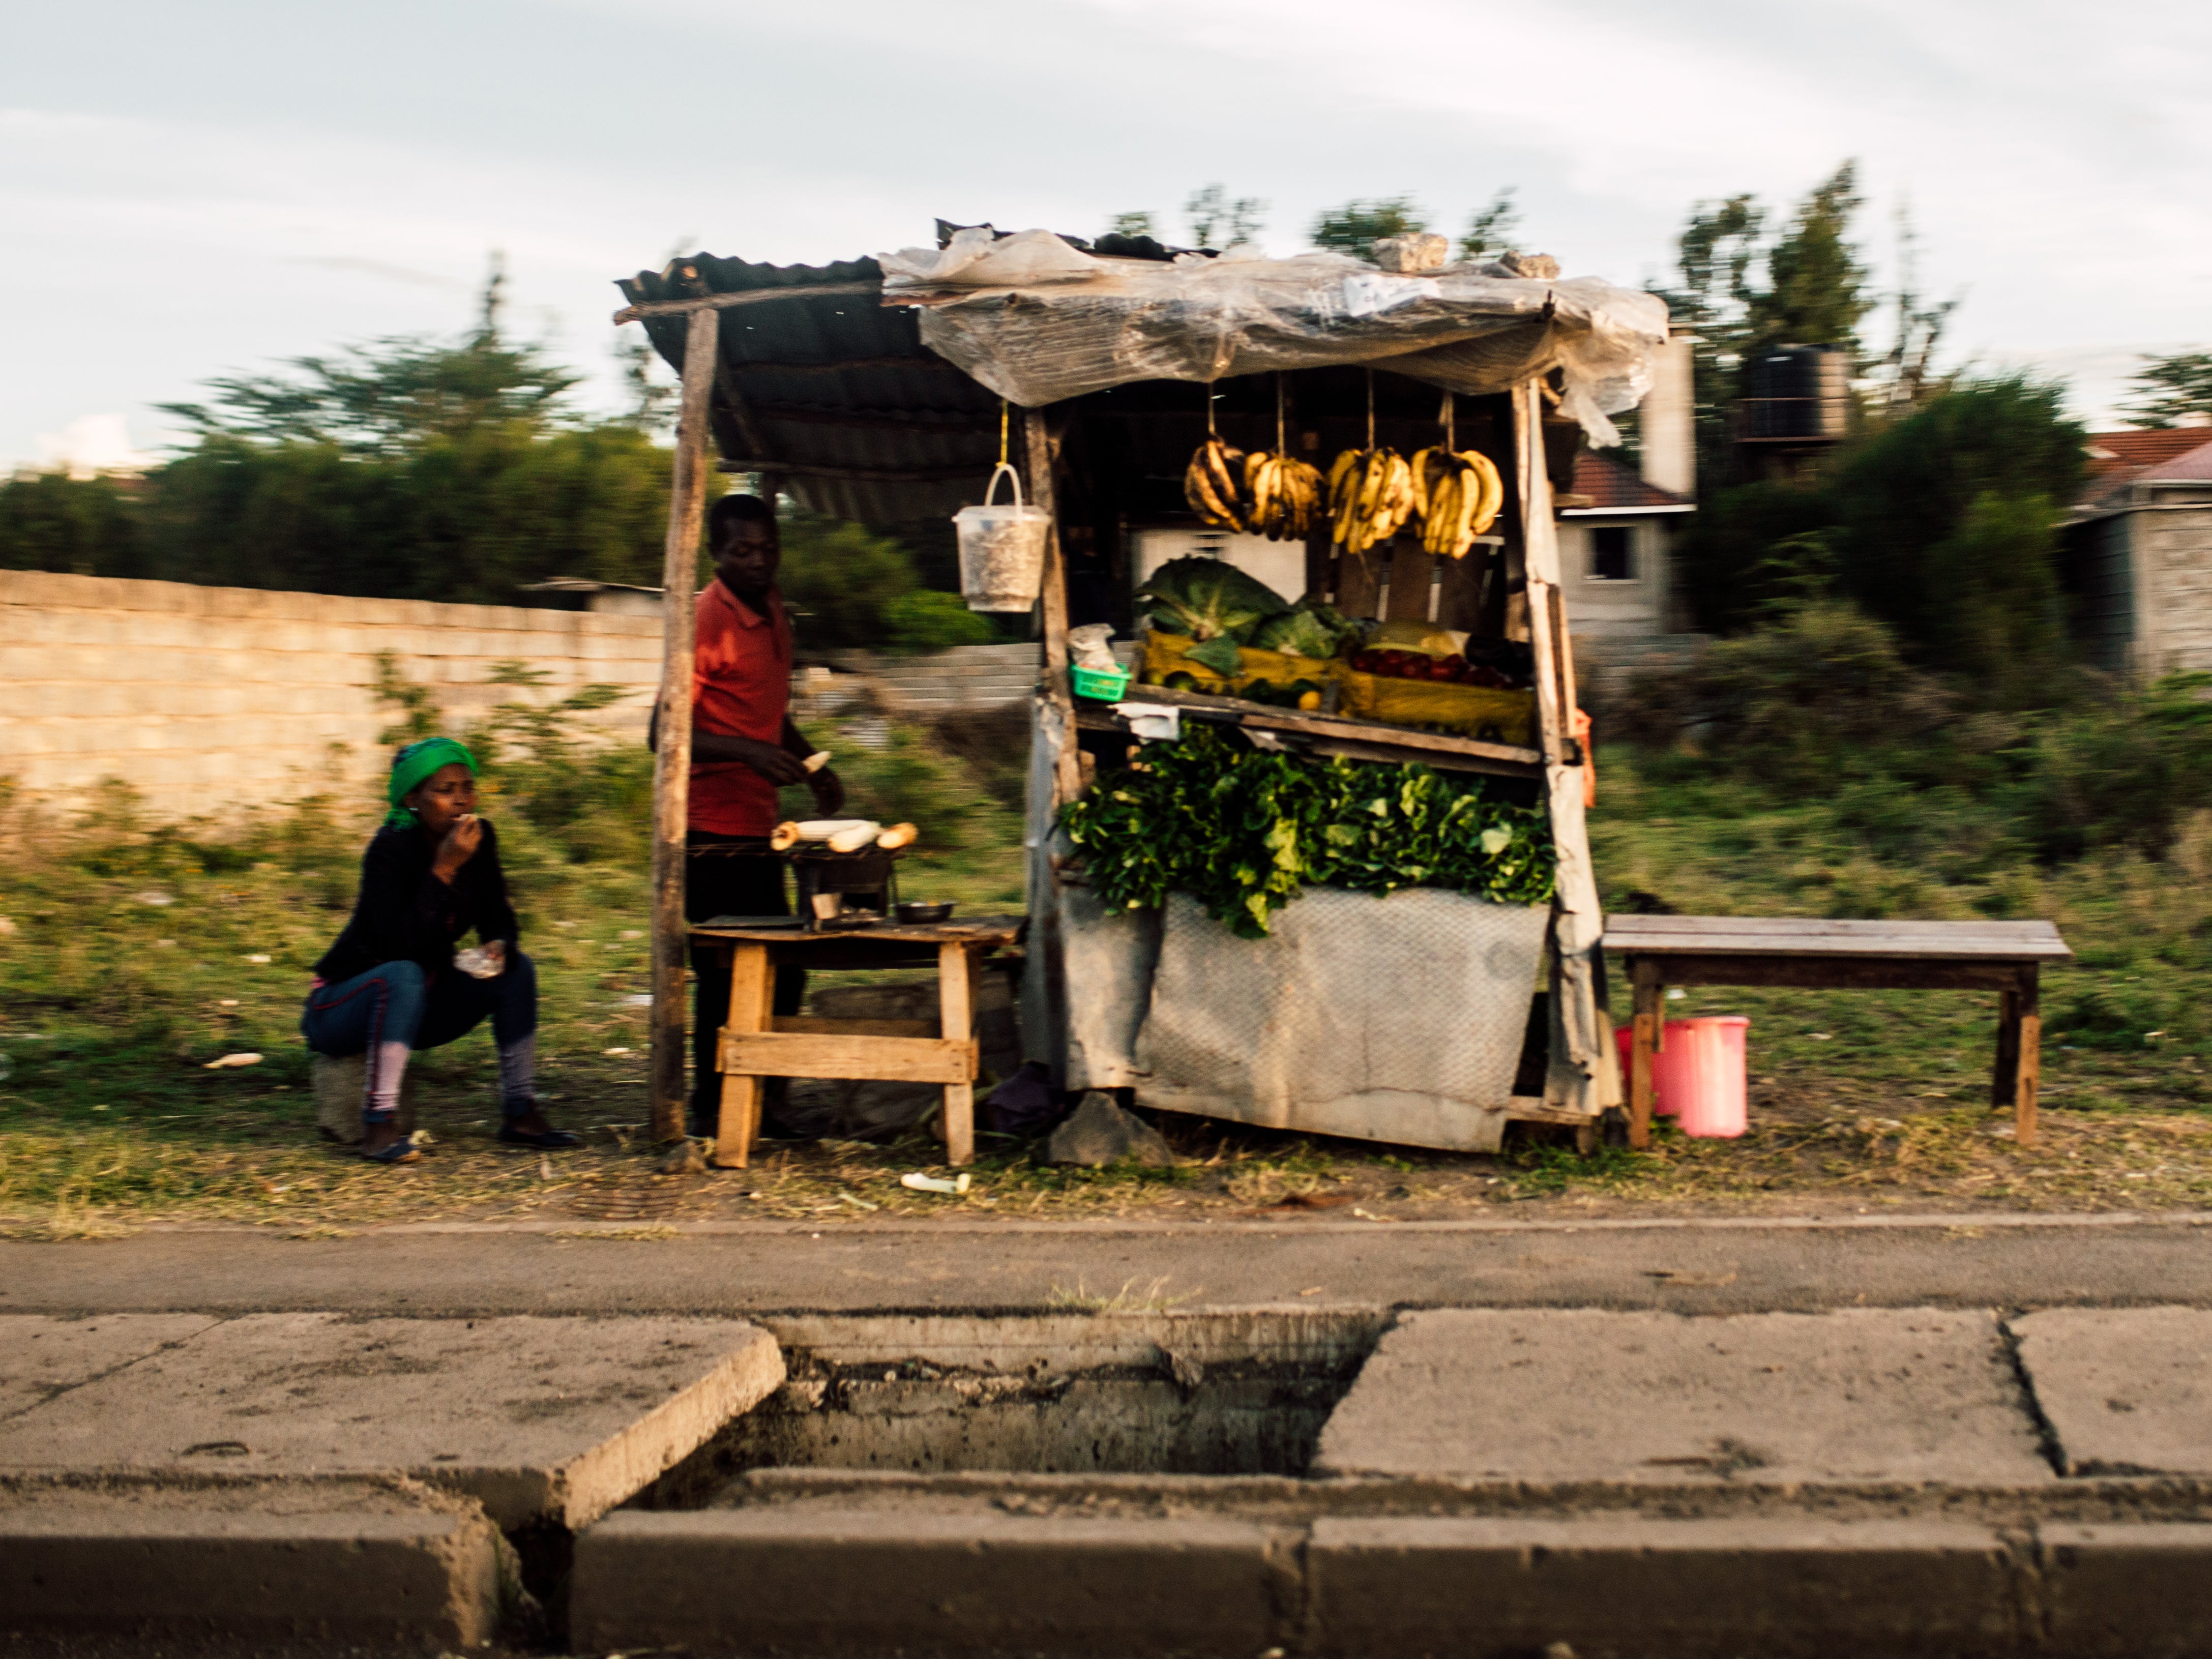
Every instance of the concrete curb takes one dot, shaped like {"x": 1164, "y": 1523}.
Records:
{"x": 800, "y": 1579}
{"x": 262, "y": 1561}
{"x": 1770, "y": 1587}
{"x": 848, "y": 1581}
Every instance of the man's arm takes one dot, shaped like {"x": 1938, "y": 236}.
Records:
{"x": 828, "y": 789}
{"x": 773, "y": 761}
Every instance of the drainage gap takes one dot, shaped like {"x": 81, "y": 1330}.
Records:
{"x": 1194, "y": 1394}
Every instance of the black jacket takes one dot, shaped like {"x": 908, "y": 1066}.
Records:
{"x": 404, "y": 913}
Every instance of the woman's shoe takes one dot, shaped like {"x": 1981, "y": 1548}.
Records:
{"x": 545, "y": 1140}
{"x": 402, "y": 1151}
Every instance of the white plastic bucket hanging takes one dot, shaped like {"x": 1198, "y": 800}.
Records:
{"x": 1002, "y": 548}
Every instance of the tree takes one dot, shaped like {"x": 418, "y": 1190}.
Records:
{"x": 1743, "y": 291}
{"x": 1131, "y": 225}
{"x": 1212, "y": 214}
{"x": 860, "y": 589}
{"x": 1354, "y": 227}
{"x": 1908, "y": 367}
{"x": 1816, "y": 284}
{"x": 2169, "y": 390}
{"x": 1491, "y": 231}
{"x": 1948, "y": 522}
{"x": 77, "y": 526}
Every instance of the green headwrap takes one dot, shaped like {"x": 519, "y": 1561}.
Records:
{"x": 414, "y": 763}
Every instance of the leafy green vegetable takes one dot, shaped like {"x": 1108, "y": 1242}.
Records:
{"x": 1218, "y": 655}
{"x": 1242, "y": 830}
{"x": 1207, "y": 600}
{"x": 1311, "y": 628}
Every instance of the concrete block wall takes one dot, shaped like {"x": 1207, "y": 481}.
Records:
{"x": 201, "y": 694}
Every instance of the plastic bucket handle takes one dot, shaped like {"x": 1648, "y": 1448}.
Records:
{"x": 992, "y": 488}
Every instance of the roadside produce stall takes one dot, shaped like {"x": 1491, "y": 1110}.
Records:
{"x": 1306, "y": 835}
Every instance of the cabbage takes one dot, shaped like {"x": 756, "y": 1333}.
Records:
{"x": 1309, "y": 629}
{"x": 1207, "y": 600}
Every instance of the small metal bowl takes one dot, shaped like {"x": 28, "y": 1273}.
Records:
{"x": 913, "y": 914}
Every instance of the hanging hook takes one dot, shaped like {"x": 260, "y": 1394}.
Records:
{"x": 1371, "y": 409}
{"x": 1282, "y": 442}
{"x": 1450, "y": 416}
{"x": 1002, "y": 432}
{"x": 1212, "y": 431}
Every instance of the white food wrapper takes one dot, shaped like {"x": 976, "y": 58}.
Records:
{"x": 479, "y": 962}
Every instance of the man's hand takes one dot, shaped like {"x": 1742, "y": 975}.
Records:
{"x": 459, "y": 846}
{"x": 779, "y": 766}
{"x": 828, "y": 792}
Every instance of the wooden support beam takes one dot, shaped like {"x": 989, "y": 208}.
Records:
{"x": 1037, "y": 480}
{"x": 956, "y": 1010}
{"x": 854, "y": 474}
{"x": 672, "y": 767}
{"x": 928, "y": 363}
{"x": 2027, "y": 1051}
{"x": 750, "y": 296}
{"x": 955, "y": 422}
{"x": 890, "y": 1060}
{"x": 752, "y": 1003}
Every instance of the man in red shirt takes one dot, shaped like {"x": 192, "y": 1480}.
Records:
{"x": 743, "y": 750}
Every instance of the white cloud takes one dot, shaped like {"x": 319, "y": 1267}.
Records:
{"x": 91, "y": 445}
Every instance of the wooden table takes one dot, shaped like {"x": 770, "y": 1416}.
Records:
{"x": 757, "y": 1042}
{"x": 2005, "y": 957}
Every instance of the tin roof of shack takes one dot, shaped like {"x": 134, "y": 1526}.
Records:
{"x": 873, "y": 385}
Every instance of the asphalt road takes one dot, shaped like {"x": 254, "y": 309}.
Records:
{"x": 2010, "y": 1263}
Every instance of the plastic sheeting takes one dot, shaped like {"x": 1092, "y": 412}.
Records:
{"x": 1037, "y": 320}
{"x": 1397, "y": 1019}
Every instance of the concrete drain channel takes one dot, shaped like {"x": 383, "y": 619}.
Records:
{"x": 1283, "y": 1480}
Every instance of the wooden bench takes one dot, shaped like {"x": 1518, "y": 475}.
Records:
{"x": 2006, "y": 956}
{"x": 757, "y": 1042}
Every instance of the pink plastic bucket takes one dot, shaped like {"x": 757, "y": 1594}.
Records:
{"x": 1698, "y": 1075}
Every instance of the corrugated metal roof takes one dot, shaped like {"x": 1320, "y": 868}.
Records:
{"x": 836, "y": 381}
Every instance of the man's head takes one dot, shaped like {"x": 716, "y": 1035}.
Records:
{"x": 741, "y": 535}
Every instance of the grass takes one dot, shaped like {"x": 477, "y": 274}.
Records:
{"x": 131, "y": 955}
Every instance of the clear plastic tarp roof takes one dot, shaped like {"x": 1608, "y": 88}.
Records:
{"x": 1037, "y": 320}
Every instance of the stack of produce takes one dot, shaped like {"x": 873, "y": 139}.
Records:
{"x": 1371, "y": 495}
{"x": 1243, "y": 830}
{"x": 1282, "y": 496}
{"x": 1458, "y": 495}
{"x": 1266, "y": 492}
{"x": 1213, "y": 484}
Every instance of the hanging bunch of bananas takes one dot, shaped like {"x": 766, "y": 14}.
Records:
{"x": 1457, "y": 495}
{"x": 1213, "y": 484}
{"x": 1282, "y": 496}
{"x": 1371, "y": 495}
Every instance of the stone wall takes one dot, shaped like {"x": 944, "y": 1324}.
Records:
{"x": 200, "y": 696}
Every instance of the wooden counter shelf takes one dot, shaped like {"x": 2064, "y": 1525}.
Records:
{"x": 1327, "y": 734}
{"x": 757, "y": 1043}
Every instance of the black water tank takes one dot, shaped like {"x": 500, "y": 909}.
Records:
{"x": 1797, "y": 392}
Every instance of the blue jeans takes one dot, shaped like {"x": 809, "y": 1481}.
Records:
{"x": 396, "y": 1008}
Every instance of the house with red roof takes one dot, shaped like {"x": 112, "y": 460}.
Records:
{"x": 1617, "y": 532}
{"x": 2138, "y": 552}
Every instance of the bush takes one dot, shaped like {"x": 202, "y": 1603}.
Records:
{"x": 73, "y": 526}
{"x": 861, "y": 591}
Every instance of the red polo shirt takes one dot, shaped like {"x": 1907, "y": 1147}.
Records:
{"x": 740, "y": 688}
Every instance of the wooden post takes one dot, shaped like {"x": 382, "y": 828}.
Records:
{"x": 671, "y": 768}
{"x": 2005, "y": 1077}
{"x": 956, "y": 1004}
{"x": 1648, "y": 1036}
{"x": 2029, "y": 1065}
{"x": 1578, "y": 1081}
{"x": 752, "y": 1002}
{"x": 1038, "y": 478}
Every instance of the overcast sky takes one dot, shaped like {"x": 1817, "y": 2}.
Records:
{"x": 189, "y": 187}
